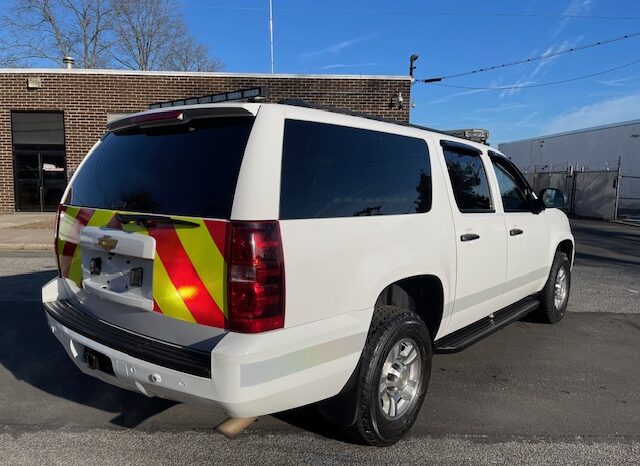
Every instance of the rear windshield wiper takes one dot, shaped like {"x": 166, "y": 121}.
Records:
{"x": 145, "y": 219}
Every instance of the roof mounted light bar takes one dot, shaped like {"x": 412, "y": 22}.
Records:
{"x": 472, "y": 134}
{"x": 251, "y": 94}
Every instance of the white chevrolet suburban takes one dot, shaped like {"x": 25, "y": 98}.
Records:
{"x": 263, "y": 257}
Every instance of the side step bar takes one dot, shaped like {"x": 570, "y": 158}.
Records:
{"x": 467, "y": 336}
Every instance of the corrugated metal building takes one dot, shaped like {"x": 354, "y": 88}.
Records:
{"x": 590, "y": 150}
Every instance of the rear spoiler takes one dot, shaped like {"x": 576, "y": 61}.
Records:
{"x": 181, "y": 115}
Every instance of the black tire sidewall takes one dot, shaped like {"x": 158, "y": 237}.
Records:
{"x": 405, "y": 325}
{"x": 555, "y": 315}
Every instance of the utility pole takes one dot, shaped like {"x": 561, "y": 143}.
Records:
{"x": 271, "y": 31}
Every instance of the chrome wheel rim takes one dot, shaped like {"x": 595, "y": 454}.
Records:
{"x": 400, "y": 379}
{"x": 560, "y": 289}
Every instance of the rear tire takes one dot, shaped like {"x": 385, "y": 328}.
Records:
{"x": 554, "y": 297}
{"x": 393, "y": 375}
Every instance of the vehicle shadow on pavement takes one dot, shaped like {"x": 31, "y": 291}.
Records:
{"x": 33, "y": 355}
{"x": 308, "y": 418}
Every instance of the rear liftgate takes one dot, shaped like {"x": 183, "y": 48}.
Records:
{"x": 171, "y": 265}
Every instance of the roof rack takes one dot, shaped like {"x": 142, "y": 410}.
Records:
{"x": 252, "y": 94}
{"x": 473, "y": 134}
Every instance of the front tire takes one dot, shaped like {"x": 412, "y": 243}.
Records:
{"x": 554, "y": 297}
{"x": 394, "y": 373}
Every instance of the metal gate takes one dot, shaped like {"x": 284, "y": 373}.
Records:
{"x": 594, "y": 194}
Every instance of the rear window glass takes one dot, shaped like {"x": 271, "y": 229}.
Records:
{"x": 338, "y": 171}
{"x": 189, "y": 169}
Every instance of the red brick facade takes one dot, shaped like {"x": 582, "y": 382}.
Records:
{"x": 87, "y": 97}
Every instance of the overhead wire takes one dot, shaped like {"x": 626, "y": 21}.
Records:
{"x": 525, "y": 86}
{"x": 544, "y": 56}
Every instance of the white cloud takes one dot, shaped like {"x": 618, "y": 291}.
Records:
{"x": 515, "y": 88}
{"x": 526, "y": 121}
{"x": 348, "y": 65}
{"x": 601, "y": 113}
{"x": 541, "y": 67}
{"x": 574, "y": 8}
{"x": 449, "y": 97}
{"x": 335, "y": 49}
{"x": 502, "y": 107}
{"x": 619, "y": 82}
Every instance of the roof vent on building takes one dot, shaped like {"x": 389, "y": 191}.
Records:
{"x": 68, "y": 62}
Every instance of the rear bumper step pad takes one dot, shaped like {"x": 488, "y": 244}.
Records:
{"x": 180, "y": 358}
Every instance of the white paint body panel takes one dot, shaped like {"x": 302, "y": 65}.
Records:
{"x": 299, "y": 365}
{"x": 335, "y": 270}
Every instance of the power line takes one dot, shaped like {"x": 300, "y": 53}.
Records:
{"x": 413, "y": 12}
{"x": 502, "y": 88}
{"x": 544, "y": 56}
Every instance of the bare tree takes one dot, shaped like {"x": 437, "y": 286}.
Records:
{"x": 189, "y": 55}
{"x": 52, "y": 29}
{"x": 135, "y": 34}
{"x": 93, "y": 18}
{"x": 152, "y": 35}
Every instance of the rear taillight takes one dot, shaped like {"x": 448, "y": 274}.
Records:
{"x": 255, "y": 277}
{"x": 55, "y": 239}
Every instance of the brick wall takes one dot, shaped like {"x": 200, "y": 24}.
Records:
{"x": 87, "y": 98}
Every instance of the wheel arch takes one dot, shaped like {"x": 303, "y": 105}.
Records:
{"x": 422, "y": 294}
{"x": 567, "y": 246}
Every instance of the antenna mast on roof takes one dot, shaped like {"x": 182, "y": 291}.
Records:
{"x": 271, "y": 31}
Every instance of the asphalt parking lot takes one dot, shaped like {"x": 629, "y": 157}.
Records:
{"x": 529, "y": 394}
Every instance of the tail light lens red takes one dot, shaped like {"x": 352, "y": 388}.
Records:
{"x": 255, "y": 277}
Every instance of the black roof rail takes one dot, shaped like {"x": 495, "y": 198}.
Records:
{"x": 469, "y": 134}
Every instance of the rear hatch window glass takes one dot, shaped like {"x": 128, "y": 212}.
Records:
{"x": 189, "y": 169}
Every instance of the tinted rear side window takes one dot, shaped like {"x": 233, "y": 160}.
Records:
{"x": 189, "y": 169}
{"x": 338, "y": 171}
{"x": 468, "y": 179}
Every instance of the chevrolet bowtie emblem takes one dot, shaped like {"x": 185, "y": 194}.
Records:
{"x": 106, "y": 242}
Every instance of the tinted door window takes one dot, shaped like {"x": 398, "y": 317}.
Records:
{"x": 468, "y": 179}
{"x": 338, "y": 171}
{"x": 189, "y": 169}
{"x": 513, "y": 195}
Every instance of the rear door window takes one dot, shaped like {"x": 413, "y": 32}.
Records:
{"x": 188, "y": 169}
{"x": 339, "y": 171}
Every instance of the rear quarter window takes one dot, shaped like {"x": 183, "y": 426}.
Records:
{"x": 339, "y": 171}
{"x": 189, "y": 169}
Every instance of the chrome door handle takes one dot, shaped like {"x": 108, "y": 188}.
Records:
{"x": 469, "y": 237}
{"x": 515, "y": 232}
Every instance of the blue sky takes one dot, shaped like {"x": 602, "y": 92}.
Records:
{"x": 377, "y": 37}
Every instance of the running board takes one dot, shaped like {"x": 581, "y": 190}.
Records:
{"x": 467, "y": 336}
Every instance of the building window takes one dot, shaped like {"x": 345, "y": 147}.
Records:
{"x": 39, "y": 164}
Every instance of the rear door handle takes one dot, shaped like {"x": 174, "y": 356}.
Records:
{"x": 515, "y": 232}
{"x": 469, "y": 237}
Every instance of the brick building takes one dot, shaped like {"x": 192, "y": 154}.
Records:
{"x": 50, "y": 118}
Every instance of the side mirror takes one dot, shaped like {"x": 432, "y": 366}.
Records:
{"x": 552, "y": 197}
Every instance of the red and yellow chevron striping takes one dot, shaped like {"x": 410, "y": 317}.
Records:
{"x": 189, "y": 269}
